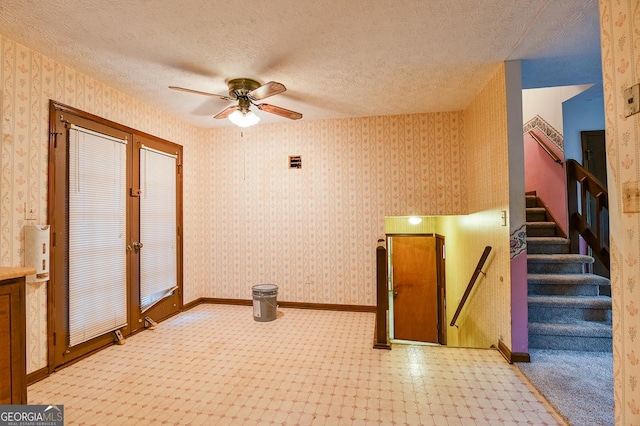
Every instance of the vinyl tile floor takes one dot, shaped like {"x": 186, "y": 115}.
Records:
{"x": 215, "y": 365}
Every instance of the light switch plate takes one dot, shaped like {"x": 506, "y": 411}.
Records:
{"x": 632, "y": 100}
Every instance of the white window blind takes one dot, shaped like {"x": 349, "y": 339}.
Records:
{"x": 158, "y": 259}
{"x": 97, "y": 234}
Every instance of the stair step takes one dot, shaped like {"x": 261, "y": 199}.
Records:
{"x": 568, "y": 279}
{"x": 596, "y": 302}
{"x": 541, "y": 229}
{"x": 582, "y": 336}
{"x": 569, "y": 309}
{"x": 557, "y": 263}
{"x": 581, "y": 329}
{"x": 536, "y": 214}
{"x": 547, "y": 245}
{"x": 565, "y": 284}
{"x": 565, "y": 308}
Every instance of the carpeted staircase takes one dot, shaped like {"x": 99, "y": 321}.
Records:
{"x": 566, "y": 308}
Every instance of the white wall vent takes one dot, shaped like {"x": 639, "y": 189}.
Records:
{"x": 295, "y": 162}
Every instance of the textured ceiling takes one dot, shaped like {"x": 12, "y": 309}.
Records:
{"x": 337, "y": 58}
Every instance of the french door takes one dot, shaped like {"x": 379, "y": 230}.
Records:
{"x": 156, "y": 231}
{"x": 115, "y": 215}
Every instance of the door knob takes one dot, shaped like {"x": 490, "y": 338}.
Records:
{"x": 395, "y": 294}
{"x": 137, "y": 246}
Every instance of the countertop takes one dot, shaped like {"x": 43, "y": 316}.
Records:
{"x": 9, "y": 272}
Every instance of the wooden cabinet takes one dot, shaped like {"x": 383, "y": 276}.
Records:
{"x": 13, "y": 383}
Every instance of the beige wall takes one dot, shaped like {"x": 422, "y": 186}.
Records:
{"x": 486, "y": 317}
{"x": 248, "y": 219}
{"x": 620, "y": 21}
{"x": 313, "y": 231}
{"x": 27, "y": 81}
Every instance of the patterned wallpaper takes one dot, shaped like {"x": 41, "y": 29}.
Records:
{"x": 313, "y": 231}
{"x": 249, "y": 219}
{"x": 486, "y": 317}
{"x": 620, "y": 21}
{"x": 27, "y": 81}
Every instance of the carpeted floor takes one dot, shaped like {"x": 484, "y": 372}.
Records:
{"x": 578, "y": 384}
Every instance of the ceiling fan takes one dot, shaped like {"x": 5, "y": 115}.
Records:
{"x": 247, "y": 92}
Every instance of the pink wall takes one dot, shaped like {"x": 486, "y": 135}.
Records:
{"x": 546, "y": 177}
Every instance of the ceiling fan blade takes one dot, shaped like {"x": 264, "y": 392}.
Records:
{"x": 283, "y": 112}
{"x": 226, "y": 112}
{"x": 268, "y": 89}
{"x": 197, "y": 92}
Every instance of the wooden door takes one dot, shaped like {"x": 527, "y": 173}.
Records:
{"x": 594, "y": 159}
{"x": 150, "y": 261}
{"x": 594, "y": 154}
{"x": 415, "y": 288}
{"x": 61, "y": 348}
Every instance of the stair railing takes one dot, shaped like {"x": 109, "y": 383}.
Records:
{"x": 583, "y": 187}
{"x": 381, "y": 332}
{"x": 472, "y": 282}
{"x": 544, "y": 146}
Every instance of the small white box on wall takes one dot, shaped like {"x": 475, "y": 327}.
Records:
{"x": 36, "y": 243}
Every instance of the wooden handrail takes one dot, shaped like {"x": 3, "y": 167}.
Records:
{"x": 544, "y": 146}
{"x": 472, "y": 282}
{"x": 598, "y": 238}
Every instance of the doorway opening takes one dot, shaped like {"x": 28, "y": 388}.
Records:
{"x": 417, "y": 290}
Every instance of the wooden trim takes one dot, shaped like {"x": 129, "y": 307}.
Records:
{"x": 376, "y": 343}
{"x": 441, "y": 269}
{"x": 577, "y": 221}
{"x": 294, "y": 305}
{"x": 36, "y": 376}
{"x": 219, "y": 301}
{"x": 520, "y": 357}
{"x": 512, "y": 357}
{"x": 381, "y": 334}
{"x": 192, "y": 304}
{"x": 328, "y": 307}
{"x": 60, "y": 107}
{"x": 51, "y": 216}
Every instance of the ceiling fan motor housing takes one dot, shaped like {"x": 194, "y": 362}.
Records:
{"x": 247, "y": 92}
{"x": 240, "y": 87}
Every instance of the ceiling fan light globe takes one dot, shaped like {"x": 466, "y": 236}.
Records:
{"x": 241, "y": 119}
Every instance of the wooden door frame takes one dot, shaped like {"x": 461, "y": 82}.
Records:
{"x": 584, "y": 137}
{"x": 440, "y": 277}
{"x": 59, "y": 116}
